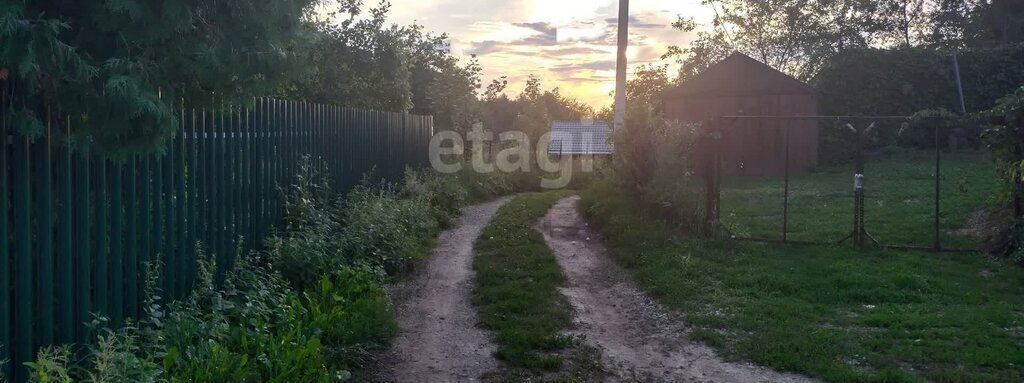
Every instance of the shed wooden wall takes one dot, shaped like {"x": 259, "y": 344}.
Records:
{"x": 754, "y": 147}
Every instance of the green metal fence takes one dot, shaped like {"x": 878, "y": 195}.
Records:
{"x": 76, "y": 229}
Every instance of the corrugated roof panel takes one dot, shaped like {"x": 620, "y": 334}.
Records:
{"x": 580, "y": 137}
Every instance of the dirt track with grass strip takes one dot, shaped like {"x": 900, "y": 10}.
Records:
{"x": 639, "y": 340}
{"x": 438, "y": 338}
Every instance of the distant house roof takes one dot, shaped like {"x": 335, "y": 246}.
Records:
{"x": 580, "y": 137}
{"x": 739, "y": 75}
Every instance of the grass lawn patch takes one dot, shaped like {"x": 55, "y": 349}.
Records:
{"x": 516, "y": 294}
{"x": 899, "y": 200}
{"x": 832, "y": 312}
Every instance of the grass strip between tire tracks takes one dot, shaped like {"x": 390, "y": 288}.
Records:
{"x": 517, "y": 298}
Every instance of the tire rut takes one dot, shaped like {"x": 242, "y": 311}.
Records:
{"x": 438, "y": 339}
{"x": 639, "y": 340}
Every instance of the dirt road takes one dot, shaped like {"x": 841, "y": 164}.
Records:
{"x": 638, "y": 339}
{"x": 438, "y": 339}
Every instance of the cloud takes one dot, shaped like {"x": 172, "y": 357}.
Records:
{"x": 637, "y": 23}
{"x": 546, "y": 35}
{"x": 592, "y": 66}
{"x": 573, "y": 51}
{"x": 491, "y": 46}
{"x": 543, "y": 28}
{"x": 484, "y": 47}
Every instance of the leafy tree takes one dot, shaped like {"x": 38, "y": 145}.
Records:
{"x": 451, "y": 94}
{"x": 903, "y": 23}
{"x": 532, "y": 111}
{"x": 359, "y": 62}
{"x": 644, "y": 89}
{"x": 496, "y": 88}
{"x": 800, "y": 36}
{"x": 115, "y": 67}
{"x": 795, "y": 36}
{"x": 532, "y": 90}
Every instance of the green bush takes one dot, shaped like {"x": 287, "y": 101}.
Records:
{"x": 255, "y": 328}
{"x": 352, "y": 311}
{"x": 955, "y": 132}
{"x": 483, "y": 186}
{"x": 655, "y": 168}
{"x": 382, "y": 229}
{"x": 904, "y": 82}
{"x": 1005, "y": 137}
{"x": 444, "y": 193}
{"x": 308, "y": 247}
{"x": 900, "y": 82}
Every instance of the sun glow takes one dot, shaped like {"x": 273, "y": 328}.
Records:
{"x": 568, "y": 44}
{"x": 564, "y": 12}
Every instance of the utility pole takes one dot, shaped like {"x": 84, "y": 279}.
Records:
{"x": 620, "y": 67}
{"x": 959, "y": 85}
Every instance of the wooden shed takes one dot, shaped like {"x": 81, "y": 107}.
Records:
{"x": 742, "y": 86}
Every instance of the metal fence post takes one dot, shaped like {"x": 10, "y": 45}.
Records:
{"x": 938, "y": 160}
{"x": 785, "y": 191}
{"x": 711, "y": 174}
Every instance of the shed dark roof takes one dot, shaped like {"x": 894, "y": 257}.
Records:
{"x": 739, "y": 75}
{"x": 575, "y": 137}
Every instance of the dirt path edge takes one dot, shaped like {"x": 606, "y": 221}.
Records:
{"x": 639, "y": 339}
{"x": 438, "y": 339}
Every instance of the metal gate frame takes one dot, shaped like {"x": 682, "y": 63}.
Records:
{"x": 860, "y": 125}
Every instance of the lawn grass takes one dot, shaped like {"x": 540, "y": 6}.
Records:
{"x": 831, "y": 312}
{"x": 899, "y": 200}
{"x": 516, "y": 295}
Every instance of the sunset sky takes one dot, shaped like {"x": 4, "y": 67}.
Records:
{"x": 569, "y": 44}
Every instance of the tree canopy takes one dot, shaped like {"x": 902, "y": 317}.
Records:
{"x": 117, "y": 68}
{"x": 799, "y": 36}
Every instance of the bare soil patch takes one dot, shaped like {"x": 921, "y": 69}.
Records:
{"x": 639, "y": 340}
{"x": 438, "y": 339}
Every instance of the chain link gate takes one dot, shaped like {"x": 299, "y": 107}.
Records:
{"x": 804, "y": 179}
